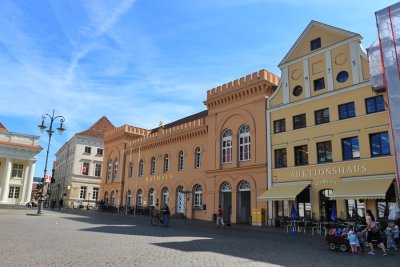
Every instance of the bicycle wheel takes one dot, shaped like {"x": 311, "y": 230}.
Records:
{"x": 155, "y": 220}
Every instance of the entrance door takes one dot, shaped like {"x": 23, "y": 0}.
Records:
{"x": 181, "y": 200}
{"x": 226, "y": 201}
{"x": 326, "y": 204}
{"x": 244, "y": 211}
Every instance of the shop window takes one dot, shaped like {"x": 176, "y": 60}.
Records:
{"x": 374, "y": 104}
{"x": 324, "y": 152}
{"x": 355, "y": 209}
{"x": 379, "y": 143}
{"x": 315, "y": 44}
{"x": 347, "y": 111}
{"x": 350, "y": 148}
{"x": 280, "y": 126}
{"x": 342, "y": 76}
{"x": 299, "y": 121}
{"x": 304, "y": 203}
{"x": 384, "y": 206}
{"x": 321, "y": 116}
{"x": 319, "y": 84}
{"x": 280, "y": 158}
{"x": 282, "y": 208}
{"x": 301, "y": 155}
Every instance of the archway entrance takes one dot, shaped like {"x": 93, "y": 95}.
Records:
{"x": 226, "y": 200}
{"x": 244, "y": 204}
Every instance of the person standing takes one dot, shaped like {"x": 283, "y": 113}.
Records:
{"x": 373, "y": 233}
{"x": 220, "y": 217}
{"x": 166, "y": 214}
{"x": 60, "y": 203}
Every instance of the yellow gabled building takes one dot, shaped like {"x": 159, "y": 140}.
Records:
{"x": 328, "y": 135}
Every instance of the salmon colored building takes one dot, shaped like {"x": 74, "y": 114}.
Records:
{"x": 215, "y": 157}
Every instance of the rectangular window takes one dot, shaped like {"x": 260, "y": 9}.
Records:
{"x": 85, "y": 168}
{"x": 95, "y": 194}
{"x": 379, "y": 144}
{"x": 244, "y": 147}
{"x": 82, "y": 194}
{"x": 88, "y": 149}
{"x": 14, "y": 192}
{"x": 301, "y": 155}
{"x": 280, "y": 126}
{"x": 97, "y": 170}
{"x": 374, "y": 104}
{"x": 324, "y": 152}
{"x": 100, "y": 151}
{"x": 350, "y": 148}
{"x": 321, "y": 116}
{"x": 319, "y": 84}
{"x": 280, "y": 158}
{"x": 17, "y": 170}
{"x": 347, "y": 111}
{"x": 299, "y": 121}
{"x": 315, "y": 44}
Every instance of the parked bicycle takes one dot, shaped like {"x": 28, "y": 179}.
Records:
{"x": 156, "y": 218}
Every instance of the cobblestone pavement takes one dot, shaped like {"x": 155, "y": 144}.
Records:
{"x": 87, "y": 238}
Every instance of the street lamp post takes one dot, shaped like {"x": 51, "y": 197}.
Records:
{"x": 50, "y": 132}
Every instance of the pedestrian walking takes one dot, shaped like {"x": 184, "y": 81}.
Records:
{"x": 220, "y": 217}
{"x": 166, "y": 214}
{"x": 60, "y": 203}
{"x": 373, "y": 233}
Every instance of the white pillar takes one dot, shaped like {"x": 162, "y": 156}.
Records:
{"x": 6, "y": 182}
{"x": 28, "y": 181}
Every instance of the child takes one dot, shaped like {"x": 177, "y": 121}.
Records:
{"x": 353, "y": 241}
{"x": 396, "y": 235}
{"x": 360, "y": 240}
{"x": 389, "y": 238}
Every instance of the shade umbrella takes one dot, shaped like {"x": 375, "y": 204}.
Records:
{"x": 334, "y": 213}
{"x": 293, "y": 212}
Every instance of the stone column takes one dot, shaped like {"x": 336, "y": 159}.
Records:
{"x": 28, "y": 181}
{"x": 5, "y": 186}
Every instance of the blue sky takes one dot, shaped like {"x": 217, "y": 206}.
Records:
{"x": 141, "y": 61}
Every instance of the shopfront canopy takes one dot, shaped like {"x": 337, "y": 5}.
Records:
{"x": 283, "y": 191}
{"x": 362, "y": 188}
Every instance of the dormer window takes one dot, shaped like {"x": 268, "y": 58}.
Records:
{"x": 315, "y": 44}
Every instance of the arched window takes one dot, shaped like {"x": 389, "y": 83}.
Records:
{"x": 140, "y": 168}
{"x": 197, "y": 158}
{"x": 244, "y": 142}
{"x": 139, "y": 199}
{"x": 109, "y": 169}
{"x": 165, "y": 196}
{"x": 244, "y": 186}
{"x": 106, "y": 198}
{"x": 151, "y": 197}
{"x": 226, "y": 187}
{"x": 130, "y": 170}
{"x": 112, "y": 198}
{"x": 129, "y": 198}
{"x": 198, "y": 196}
{"x": 227, "y": 146}
{"x": 181, "y": 161}
{"x": 153, "y": 166}
{"x": 115, "y": 169}
{"x": 166, "y": 163}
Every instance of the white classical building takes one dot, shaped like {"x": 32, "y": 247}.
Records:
{"x": 78, "y": 165}
{"x": 18, "y": 155}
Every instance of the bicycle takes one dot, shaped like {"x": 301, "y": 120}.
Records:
{"x": 156, "y": 218}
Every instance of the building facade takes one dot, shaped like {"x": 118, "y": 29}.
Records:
{"x": 78, "y": 167}
{"x": 18, "y": 156}
{"x": 215, "y": 157}
{"x": 329, "y": 146}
